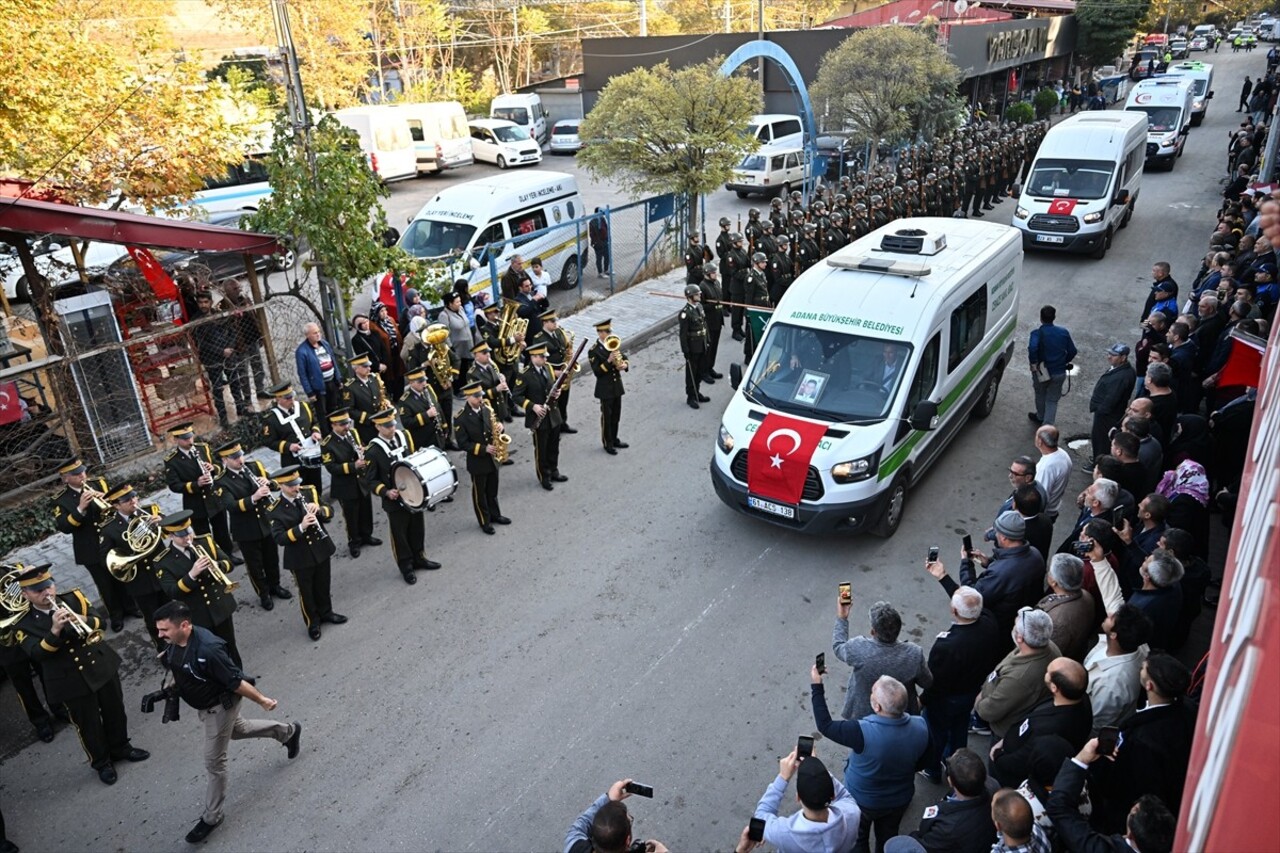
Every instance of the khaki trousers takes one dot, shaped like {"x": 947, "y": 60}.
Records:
{"x": 222, "y": 725}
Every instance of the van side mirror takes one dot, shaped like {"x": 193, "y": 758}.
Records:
{"x": 1210, "y": 95}
{"x": 925, "y": 415}
{"x": 1121, "y": 197}
{"x": 735, "y": 375}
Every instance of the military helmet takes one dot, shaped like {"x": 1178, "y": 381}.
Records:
{"x": 735, "y": 237}
{"x": 710, "y": 268}
{"x": 842, "y": 198}
{"x": 860, "y": 189}
{"x": 753, "y": 213}
{"x": 931, "y": 177}
{"x": 796, "y": 196}
{"x": 819, "y": 206}
{"x": 913, "y": 184}
{"x": 877, "y": 200}
{"x": 691, "y": 290}
{"x": 837, "y": 217}
{"x": 759, "y": 258}
{"x": 767, "y": 226}
{"x": 693, "y": 237}
{"x": 810, "y": 228}
{"x": 797, "y": 215}
{"x": 724, "y": 222}
{"x": 776, "y": 201}
{"x": 898, "y": 191}
{"x": 860, "y": 209}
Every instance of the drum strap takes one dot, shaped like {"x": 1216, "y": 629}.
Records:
{"x": 291, "y": 420}
{"x": 395, "y": 453}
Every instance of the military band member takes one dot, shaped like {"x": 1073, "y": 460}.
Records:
{"x": 713, "y": 308}
{"x": 608, "y": 366}
{"x": 442, "y": 387}
{"x": 78, "y": 510}
{"x": 79, "y": 673}
{"x": 364, "y": 396}
{"x": 246, "y": 494}
{"x": 558, "y": 354}
{"x": 477, "y": 430}
{"x": 190, "y": 471}
{"x": 297, "y": 523}
{"x": 344, "y": 457}
{"x": 531, "y": 396}
{"x": 22, "y": 673}
{"x": 289, "y": 427}
{"x": 143, "y": 587}
{"x": 496, "y": 388}
{"x": 693, "y": 343}
{"x": 186, "y": 570}
{"x": 420, "y": 411}
{"x": 407, "y": 528}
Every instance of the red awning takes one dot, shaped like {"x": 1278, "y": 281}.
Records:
{"x": 31, "y": 217}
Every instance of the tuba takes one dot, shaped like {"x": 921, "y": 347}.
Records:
{"x": 436, "y": 336}
{"x": 510, "y": 327}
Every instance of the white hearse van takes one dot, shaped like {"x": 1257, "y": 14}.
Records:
{"x": 1201, "y": 75}
{"x": 384, "y": 136}
{"x": 1167, "y": 101}
{"x": 464, "y": 220}
{"x": 889, "y": 344}
{"x": 1084, "y": 182}
{"x": 441, "y": 138}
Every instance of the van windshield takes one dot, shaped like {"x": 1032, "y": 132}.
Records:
{"x": 518, "y": 115}
{"x": 509, "y": 134}
{"x": 1082, "y": 179}
{"x": 1160, "y": 119}
{"x": 827, "y": 375}
{"x": 433, "y": 238}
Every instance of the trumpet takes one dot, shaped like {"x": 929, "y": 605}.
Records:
{"x": 76, "y": 621}
{"x": 228, "y": 585}
{"x": 99, "y": 500}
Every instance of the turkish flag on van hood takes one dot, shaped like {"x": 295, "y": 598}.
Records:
{"x": 778, "y": 457}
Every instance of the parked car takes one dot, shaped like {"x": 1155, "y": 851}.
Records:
{"x": 841, "y": 154}
{"x": 55, "y": 262}
{"x": 1178, "y": 47}
{"x": 1198, "y": 43}
{"x": 564, "y": 136}
{"x": 502, "y": 143}
{"x": 221, "y": 265}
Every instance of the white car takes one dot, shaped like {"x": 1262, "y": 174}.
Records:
{"x": 1199, "y": 43}
{"x": 502, "y": 143}
{"x": 55, "y": 262}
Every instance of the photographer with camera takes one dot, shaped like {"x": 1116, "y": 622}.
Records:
{"x": 207, "y": 679}
{"x": 605, "y": 827}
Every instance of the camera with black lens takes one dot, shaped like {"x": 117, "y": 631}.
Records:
{"x": 169, "y": 696}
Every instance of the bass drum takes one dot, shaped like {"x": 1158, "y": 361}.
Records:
{"x": 424, "y": 478}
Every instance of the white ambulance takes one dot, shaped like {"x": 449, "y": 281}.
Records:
{"x": 1168, "y": 103}
{"x": 883, "y": 350}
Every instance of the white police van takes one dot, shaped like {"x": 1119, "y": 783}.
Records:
{"x": 882, "y": 351}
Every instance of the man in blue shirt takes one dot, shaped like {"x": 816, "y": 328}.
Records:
{"x": 1049, "y": 349}
{"x": 828, "y": 819}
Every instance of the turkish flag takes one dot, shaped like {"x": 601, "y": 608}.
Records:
{"x": 161, "y": 285}
{"x": 1244, "y": 364}
{"x": 10, "y": 403}
{"x": 1062, "y": 206}
{"x": 778, "y": 457}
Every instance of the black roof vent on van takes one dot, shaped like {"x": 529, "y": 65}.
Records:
{"x": 913, "y": 241}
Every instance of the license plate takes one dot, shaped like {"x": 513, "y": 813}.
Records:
{"x": 772, "y": 508}
{"x": 1048, "y": 238}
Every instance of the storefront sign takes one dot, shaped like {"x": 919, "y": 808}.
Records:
{"x": 1016, "y": 44}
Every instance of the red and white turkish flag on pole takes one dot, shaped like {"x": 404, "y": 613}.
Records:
{"x": 161, "y": 284}
{"x": 1062, "y": 206}
{"x": 778, "y": 457}
{"x": 1244, "y": 364}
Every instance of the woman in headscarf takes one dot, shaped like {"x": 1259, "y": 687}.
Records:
{"x": 385, "y": 327}
{"x": 1187, "y": 489}
{"x": 1190, "y": 440}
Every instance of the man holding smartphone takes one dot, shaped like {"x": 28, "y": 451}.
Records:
{"x": 605, "y": 827}
{"x": 828, "y": 818}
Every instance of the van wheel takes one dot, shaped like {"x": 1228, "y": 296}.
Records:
{"x": 1101, "y": 251}
{"x": 987, "y": 402}
{"x": 570, "y": 274}
{"x": 502, "y": 162}
{"x": 887, "y": 524}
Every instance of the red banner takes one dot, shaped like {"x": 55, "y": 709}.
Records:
{"x": 1243, "y": 365}
{"x": 161, "y": 285}
{"x": 1062, "y": 206}
{"x": 778, "y": 457}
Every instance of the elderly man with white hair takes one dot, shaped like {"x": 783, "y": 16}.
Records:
{"x": 888, "y": 745}
{"x": 1072, "y": 611}
{"x": 1017, "y": 684}
{"x": 1161, "y": 596}
{"x": 961, "y": 658}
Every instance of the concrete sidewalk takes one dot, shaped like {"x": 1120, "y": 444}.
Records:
{"x": 637, "y": 318}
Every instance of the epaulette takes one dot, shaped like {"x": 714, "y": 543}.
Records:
{"x": 172, "y": 453}
{"x": 458, "y": 413}
{"x": 324, "y": 441}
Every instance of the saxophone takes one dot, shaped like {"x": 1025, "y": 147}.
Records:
{"x": 436, "y": 336}
{"x": 500, "y": 440}
{"x": 567, "y": 337}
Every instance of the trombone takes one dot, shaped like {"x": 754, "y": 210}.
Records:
{"x": 228, "y": 585}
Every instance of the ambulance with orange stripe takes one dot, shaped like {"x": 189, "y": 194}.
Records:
{"x": 866, "y": 370}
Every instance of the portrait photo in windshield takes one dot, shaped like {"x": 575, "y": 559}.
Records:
{"x": 1080, "y": 179}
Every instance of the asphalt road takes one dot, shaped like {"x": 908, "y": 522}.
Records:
{"x": 625, "y": 625}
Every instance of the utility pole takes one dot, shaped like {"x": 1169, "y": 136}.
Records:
{"x": 727, "y": 13}
{"x": 332, "y": 300}
{"x": 644, "y": 19}
{"x": 760, "y": 61}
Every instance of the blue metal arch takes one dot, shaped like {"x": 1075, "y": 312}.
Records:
{"x": 770, "y": 51}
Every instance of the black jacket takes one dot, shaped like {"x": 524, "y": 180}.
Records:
{"x": 210, "y": 603}
{"x": 1072, "y": 722}
{"x": 963, "y": 656}
{"x": 248, "y": 519}
{"x": 957, "y": 826}
{"x": 531, "y": 388}
{"x": 1072, "y": 827}
{"x": 340, "y": 457}
{"x": 144, "y": 582}
{"x": 608, "y": 376}
{"x": 377, "y": 474}
{"x": 181, "y": 473}
{"x": 1112, "y": 391}
{"x": 70, "y": 667}
{"x": 1154, "y": 752}
{"x": 303, "y": 549}
{"x": 279, "y": 434}
{"x": 83, "y": 526}
{"x": 474, "y": 431}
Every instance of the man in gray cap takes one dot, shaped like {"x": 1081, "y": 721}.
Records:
{"x": 1109, "y": 399}
{"x": 1014, "y": 575}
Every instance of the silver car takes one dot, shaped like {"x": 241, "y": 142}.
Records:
{"x": 564, "y": 136}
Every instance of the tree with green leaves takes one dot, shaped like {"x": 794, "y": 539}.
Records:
{"x": 1105, "y": 27}
{"x": 886, "y": 83}
{"x": 659, "y": 130}
{"x": 335, "y": 209}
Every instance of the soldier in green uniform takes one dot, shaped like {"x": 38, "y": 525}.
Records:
{"x": 363, "y": 396}
{"x": 608, "y": 367}
{"x": 80, "y": 672}
{"x": 187, "y": 569}
{"x": 344, "y": 458}
{"x": 246, "y": 492}
{"x": 736, "y": 265}
{"x": 297, "y": 523}
{"x": 78, "y": 510}
{"x": 189, "y": 470}
{"x": 713, "y": 308}
{"x": 780, "y": 270}
{"x": 143, "y": 587}
{"x": 693, "y": 343}
{"x": 477, "y": 431}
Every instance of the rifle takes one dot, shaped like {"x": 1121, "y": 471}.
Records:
{"x": 560, "y": 381}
